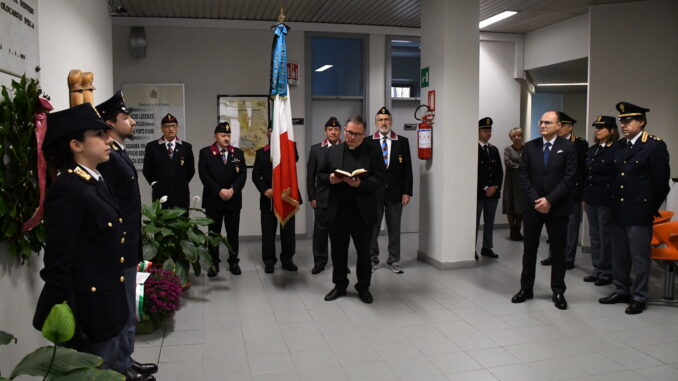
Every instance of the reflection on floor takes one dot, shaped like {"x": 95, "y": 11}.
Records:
{"x": 425, "y": 324}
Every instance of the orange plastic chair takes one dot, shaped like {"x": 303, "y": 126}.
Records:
{"x": 667, "y": 233}
{"x": 664, "y": 216}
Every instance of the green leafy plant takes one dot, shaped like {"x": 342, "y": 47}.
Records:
{"x": 176, "y": 241}
{"x": 57, "y": 363}
{"x": 19, "y": 191}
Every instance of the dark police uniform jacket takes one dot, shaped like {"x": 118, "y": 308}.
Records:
{"x": 398, "y": 179}
{"x": 555, "y": 181}
{"x": 84, "y": 255}
{"x": 121, "y": 176}
{"x": 490, "y": 172}
{"x": 262, "y": 175}
{"x": 642, "y": 180}
{"x": 599, "y": 175}
{"x": 314, "y": 189}
{"x": 371, "y": 159}
{"x": 581, "y": 146}
{"x": 216, "y": 175}
{"x": 172, "y": 175}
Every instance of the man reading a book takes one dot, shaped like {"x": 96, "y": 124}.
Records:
{"x": 351, "y": 211}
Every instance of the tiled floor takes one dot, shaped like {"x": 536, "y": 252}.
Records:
{"x": 424, "y": 325}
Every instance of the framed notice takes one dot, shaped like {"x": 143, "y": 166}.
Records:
{"x": 248, "y": 116}
{"x": 149, "y": 103}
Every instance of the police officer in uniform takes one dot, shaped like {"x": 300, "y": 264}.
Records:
{"x": 85, "y": 237}
{"x": 262, "y": 176}
{"x": 598, "y": 181}
{"x": 490, "y": 178}
{"x": 169, "y": 165}
{"x": 396, "y": 189}
{"x": 574, "y": 221}
{"x": 223, "y": 172}
{"x": 641, "y": 186}
{"x": 318, "y": 193}
{"x": 121, "y": 177}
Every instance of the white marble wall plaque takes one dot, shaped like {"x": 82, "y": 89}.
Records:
{"x": 19, "y": 37}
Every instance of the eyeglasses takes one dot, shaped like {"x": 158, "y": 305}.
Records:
{"x": 352, "y": 134}
{"x": 170, "y": 126}
{"x": 383, "y": 119}
{"x": 546, "y": 122}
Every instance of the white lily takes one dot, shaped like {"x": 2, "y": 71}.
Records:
{"x": 153, "y": 183}
{"x": 163, "y": 199}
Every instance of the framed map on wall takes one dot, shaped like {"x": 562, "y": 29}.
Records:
{"x": 248, "y": 116}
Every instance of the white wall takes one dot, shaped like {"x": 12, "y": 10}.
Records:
{"x": 64, "y": 26}
{"x": 564, "y": 41}
{"x": 633, "y": 58}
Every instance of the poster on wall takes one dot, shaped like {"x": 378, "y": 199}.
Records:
{"x": 248, "y": 116}
{"x": 149, "y": 103}
{"x": 19, "y": 37}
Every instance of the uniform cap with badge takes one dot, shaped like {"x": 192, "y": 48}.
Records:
{"x": 70, "y": 122}
{"x": 605, "y": 121}
{"x": 630, "y": 111}
{"x": 565, "y": 119}
{"x": 223, "y": 128}
{"x": 333, "y": 122}
{"x": 485, "y": 123}
{"x": 114, "y": 105}
{"x": 384, "y": 111}
{"x": 168, "y": 119}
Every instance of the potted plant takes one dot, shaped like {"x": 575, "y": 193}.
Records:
{"x": 161, "y": 298}
{"x": 175, "y": 241}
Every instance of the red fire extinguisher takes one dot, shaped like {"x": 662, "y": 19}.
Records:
{"x": 425, "y": 132}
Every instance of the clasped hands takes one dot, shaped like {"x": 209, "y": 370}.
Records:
{"x": 542, "y": 205}
{"x": 226, "y": 194}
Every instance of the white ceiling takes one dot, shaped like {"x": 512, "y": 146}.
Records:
{"x": 533, "y": 14}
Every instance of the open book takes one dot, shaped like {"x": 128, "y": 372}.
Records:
{"x": 357, "y": 173}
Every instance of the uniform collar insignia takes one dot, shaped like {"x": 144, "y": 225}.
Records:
{"x": 82, "y": 173}
{"x": 644, "y": 137}
{"x": 326, "y": 142}
{"x": 115, "y": 146}
{"x": 214, "y": 148}
{"x": 377, "y": 135}
{"x": 163, "y": 141}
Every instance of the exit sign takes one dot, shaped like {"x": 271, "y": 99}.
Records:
{"x": 424, "y": 77}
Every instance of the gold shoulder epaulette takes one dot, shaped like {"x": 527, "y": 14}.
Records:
{"x": 82, "y": 173}
{"x": 115, "y": 147}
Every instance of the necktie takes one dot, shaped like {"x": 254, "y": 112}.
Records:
{"x": 224, "y": 156}
{"x": 547, "y": 151}
{"x": 170, "y": 151}
{"x": 487, "y": 150}
{"x": 384, "y": 150}
{"x": 629, "y": 145}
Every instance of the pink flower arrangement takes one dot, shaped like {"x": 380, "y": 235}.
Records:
{"x": 162, "y": 294}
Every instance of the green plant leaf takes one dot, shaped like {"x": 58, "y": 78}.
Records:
{"x": 150, "y": 251}
{"x": 89, "y": 374}
{"x": 169, "y": 265}
{"x": 202, "y": 221}
{"x": 59, "y": 327}
{"x": 6, "y": 338}
{"x": 173, "y": 213}
{"x": 189, "y": 250}
{"x": 165, "y": 232}
{"x": 66, "y": 360}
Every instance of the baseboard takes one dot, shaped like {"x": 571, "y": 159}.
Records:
{"x": 445, "y": 265}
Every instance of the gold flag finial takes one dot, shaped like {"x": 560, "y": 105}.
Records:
{"x": 281, "y": 15}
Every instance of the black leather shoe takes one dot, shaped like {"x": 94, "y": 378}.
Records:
{"x": 133, "y": 375}
{"x": 569, "y": 265}
{"x": 212, "y": 273}
{"x": 268, "y": 269}
{"x": 602, "y": 282}
{"x": 488, "y": 253}
{"x": 590, "y": 278}
{"x": 477, "y": 256}
{"x": 148, "y": 368}
{"x": 635, "y": 308}
{"x": 317, "y": 268}
{"x": 522, "y": 296}
{"x": 234, "y": 268}
{"x": 615, "y": 298}
{"x": 559, "y": 301}
{"x": 335, "y": 294}
{"x": 289, "y": 266}
{"x": 546, "y": 262}
{"x": 365, "y": 295}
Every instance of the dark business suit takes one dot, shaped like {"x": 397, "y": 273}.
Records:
{"x": 641, "y": 185}
{"x": 171, "y": 173}
{"x": 352, "y": 212}
{"x": 397, "y": 182}
{"x": 490, "y": 173}
{"x": 121, "y": 176}
{"x": 555, "y": 181}
{"x": 217, "y": 174}
{"x": 262, "y": 176}
{"x": 318, "y": 192}
{"x": 85, "y": 255}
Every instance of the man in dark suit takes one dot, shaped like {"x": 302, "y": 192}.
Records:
{"x": 574, "y": 220}
{"x": 121, "y": 176}
{"x": 318, "y": 193}
{"x": 640, "y": 187}
{"x": 548, "y": 167}
{"x": 169, "y": 165}
{"x": 490, "y": 178}
{"x": 352, "y": 205}
{"x": 396, "y": 189}
{"x": 262, "y": 176}
{"x": 223, "y": 172}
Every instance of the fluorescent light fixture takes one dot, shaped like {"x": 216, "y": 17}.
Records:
{"x": 496, "y": 18}
{"x": 563, "y": 84}
{"x": 323, "y": 68}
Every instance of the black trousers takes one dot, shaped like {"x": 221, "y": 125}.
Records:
{"x": 556, "y": 228}
{"x": 231, "y": 220}
{"x": 269, "y": 225}
{"x": 349, "y": 225}
{"x": 320, "y": 236}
